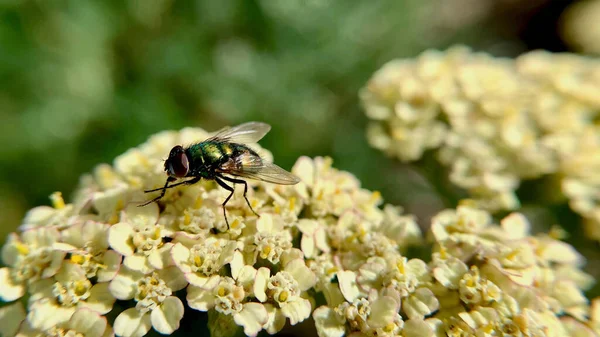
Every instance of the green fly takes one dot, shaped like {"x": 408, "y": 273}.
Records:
{"x": 224, "y": 158}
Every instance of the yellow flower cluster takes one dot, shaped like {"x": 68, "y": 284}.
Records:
{"x": 321, "y": 248}
{"x": 495, "y": 122}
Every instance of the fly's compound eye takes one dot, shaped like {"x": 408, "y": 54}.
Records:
{"x": 181, "y": 165}
{"x": 178, "y": 164}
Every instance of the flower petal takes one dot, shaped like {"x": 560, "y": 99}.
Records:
{"x": 11, "y": 317}
{"x": 236, "y": 263}
{"x": 132, "y": 323}
{"x": 88, "y": 323}
{"x": 138, "y": 263}
{"x": 165, "y": 319}
{"x": 420, "y": 303}
{"x": 9, "y": 291}
{"x": 383, "y": 311}
{"x": 252, "y": 317}
{"x": 56, "y": 259}
{"x": 297, "y": 311}
{"x": 173, "y": 277}
{"x": 124, "y": 286}
{"x": 200, "y": 299}
{"x": 327, "y": 324}
{"x": 46, "y": 313}
{"x": 119, "y": 238}
{"x": 347, "y": 281}
{"x": 112, "y": 262}
{"x": 276, "y": 320}
{"x": 198, "y": 280}
{"x": 100, "y": 300}
{"x": 260, "y": 286}
{"x": 161, "y": 257}
{"x": 305, "y": 277}
{"x": 180, "y": 255}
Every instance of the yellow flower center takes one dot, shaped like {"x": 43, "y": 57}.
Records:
{"x": 57, "y": 200}
{"x": 283, "y": 296}
{"x": 23, "y": 249}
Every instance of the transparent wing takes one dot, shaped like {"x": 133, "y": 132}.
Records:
{"x": 254, "y": 167}
{"x": 250, "y": 132}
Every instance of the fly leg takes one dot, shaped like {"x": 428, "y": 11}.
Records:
{"x": 231, "y": 190}
{"x": 240, "y": 181}
{"x": 164, "y": 188}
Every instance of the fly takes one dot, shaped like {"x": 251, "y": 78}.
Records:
{"x": 225, "y": 159}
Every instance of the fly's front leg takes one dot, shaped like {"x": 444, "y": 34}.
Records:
{"x": 164, "y": 188}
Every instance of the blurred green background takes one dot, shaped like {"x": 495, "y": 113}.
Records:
{"x": 83, "y": 81}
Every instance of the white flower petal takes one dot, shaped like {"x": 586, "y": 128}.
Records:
{"x": 45, "y": 314}
{"x": 56, "y": 259}
{"x": 40, "y": 237}
{"x": 10, "y": 250}
{"x": 96, "y": 233}
{"x": 297, "y": 311}
{"x": 260, "y": 286}
{"x": 347, "y": 282}
{"x": 180, "y": 255}
{"x": 26, "y": 330}
{"x": 138, "y": 263}
{"x": 383, "y": 312}
{"x": 236, "y": 263}
{"x": 132, "y": 323}
{"x": 119, "y": 238}
{"x": 246, "y": 276}
{"x": 252, "y": 317}
{"x": 420, "y": 303}
{"x": 173, "y": 277}
{"x": 100, "y": 300}
{"x": 9, "y": 291}
{"x": 265, "y": 223}
{"x": 70, "y": 272}
{"x": 161, "y": 257}
{"x": 147, "y": 215}
{"x": 36, "y": 217}
{"x": 41, "y": 289}
{"x": 276, "y": 320}
{"x": 124, "y": 285}
{"x": 112, "y": 262}
{"x": 327, "y": 324}
{"x": 166, "y": 318}
{"x": 305, "y": 277}
{"x": 11, "y": 317}
{"x": 307, "y": 244}
{"x": 417, "y": 328}
{"x": 200, "y": 299}
{"x": 199, "y": 280}
{"x": 88, "y": 323}
{"x": 321, "y": 239}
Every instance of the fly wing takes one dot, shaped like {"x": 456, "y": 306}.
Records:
{"x": 254, "y": 167}
{"x": 250, "y": 132}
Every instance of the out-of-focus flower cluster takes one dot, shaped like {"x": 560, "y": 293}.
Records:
{"x": 71, "y": 264}
{"x": 578, "y": 26}
{"x": 495, "y": 122}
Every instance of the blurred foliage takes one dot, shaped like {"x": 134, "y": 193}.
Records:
{"x": 82, "y": 81}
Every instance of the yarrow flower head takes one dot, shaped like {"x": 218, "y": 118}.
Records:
{"x": 324, "y": 247}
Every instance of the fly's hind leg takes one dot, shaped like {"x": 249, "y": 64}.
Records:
{"x": 231, "y": 190}
{"x": 240, "y": 181}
